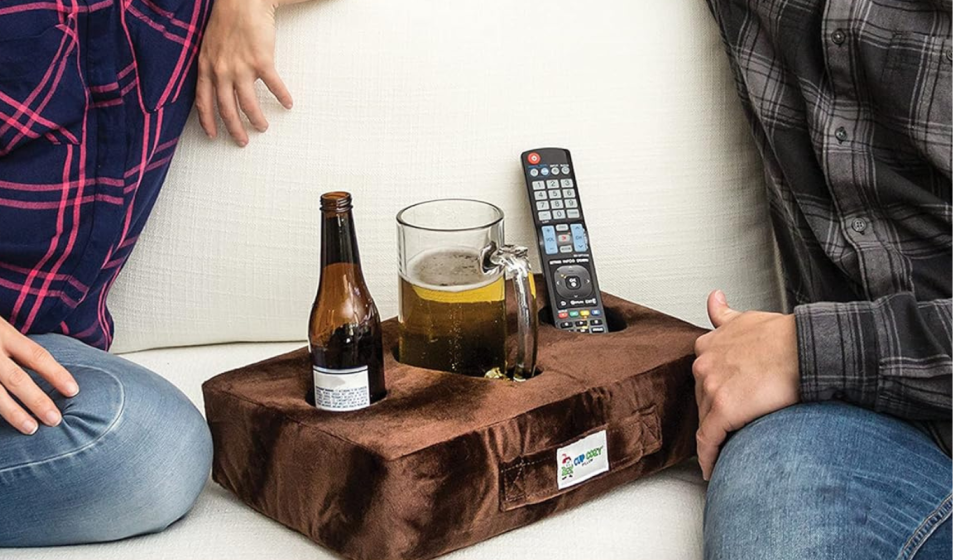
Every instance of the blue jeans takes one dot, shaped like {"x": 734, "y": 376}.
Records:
{"x": 130, "y": 456}
{"x": 833, "y": 482}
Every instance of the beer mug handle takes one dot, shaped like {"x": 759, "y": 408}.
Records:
{"x": 512, "y": 260}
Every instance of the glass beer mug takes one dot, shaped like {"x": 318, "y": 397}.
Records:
{"x": 453, "y": 270}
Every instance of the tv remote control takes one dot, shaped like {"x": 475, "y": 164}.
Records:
{"x": 565, "y": 254}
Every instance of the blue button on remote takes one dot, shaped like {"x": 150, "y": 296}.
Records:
{"x": 550, "y": 240}
{"x": 579, "y": 237}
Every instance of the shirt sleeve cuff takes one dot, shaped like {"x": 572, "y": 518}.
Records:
{"x": 837, "y": 350}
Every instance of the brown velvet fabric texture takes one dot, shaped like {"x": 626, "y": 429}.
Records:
{"x": 445, "y": 461}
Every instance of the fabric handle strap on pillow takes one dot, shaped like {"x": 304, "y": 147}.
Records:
{"x": 543, "y": 475}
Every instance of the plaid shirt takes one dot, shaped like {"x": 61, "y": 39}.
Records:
{"x": 93, "y": 96}
{"x": 850, "y": 105}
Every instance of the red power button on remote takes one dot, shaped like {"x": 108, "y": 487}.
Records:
{"x": 533, "y": 157}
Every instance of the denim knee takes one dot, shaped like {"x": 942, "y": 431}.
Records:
{"x": 823, "y": 480}
{"x": 169, "y": 470}
{"x": 130, "y": 457}
{"x": 164, "y": 471}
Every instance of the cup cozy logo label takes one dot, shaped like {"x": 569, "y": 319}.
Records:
{"x": 582, "y": 460}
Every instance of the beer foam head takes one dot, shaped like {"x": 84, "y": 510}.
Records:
{"x": 450, "y": 268}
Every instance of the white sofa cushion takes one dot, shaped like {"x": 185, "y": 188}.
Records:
{"x": 656, "y": 518}
{"x": 404, "y": 101}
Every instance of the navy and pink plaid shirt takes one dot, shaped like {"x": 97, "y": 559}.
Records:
{"x": 93, "y": 97}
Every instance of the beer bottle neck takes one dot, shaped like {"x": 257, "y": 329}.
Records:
{"x": 338, "y": 239}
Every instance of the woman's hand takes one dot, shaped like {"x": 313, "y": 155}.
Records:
{"x": 17, "y": 352}
{"x": 237, "y": 50}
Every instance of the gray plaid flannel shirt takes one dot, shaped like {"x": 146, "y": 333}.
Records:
{"x": 850, "y": 104}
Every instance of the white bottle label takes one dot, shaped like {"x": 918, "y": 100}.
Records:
{"x": 340, "y": 390}
{"x": 582, "y": 459}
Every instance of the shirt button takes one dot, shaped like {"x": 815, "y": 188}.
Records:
{"x": 839, "y": 36}
{"x": 859, "y": 225}
{"x": 841, "y": 134}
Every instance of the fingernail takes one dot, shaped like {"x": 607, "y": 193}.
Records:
{"x": 29, "y": 427}
{"x": 52, "y": 418}
{"x": 288, "y": 105}
{"x": 71, "y": 389}
{"x": 721, "y": 297}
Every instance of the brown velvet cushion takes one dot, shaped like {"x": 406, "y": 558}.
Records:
{"x": 445, "y": 461}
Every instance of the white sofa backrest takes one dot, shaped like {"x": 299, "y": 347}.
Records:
{"x": 408, "y": 100}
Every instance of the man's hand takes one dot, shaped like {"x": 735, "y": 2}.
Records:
{"x": 746, "y": 368}
{"x": 16, "y": 352}
{"x": 237, "y": 50}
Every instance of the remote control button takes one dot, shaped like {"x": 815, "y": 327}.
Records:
{"x": 583, "y": 330}
{"x": 556, "y": 204}
{"x": 566, "y": 183}
{"x": 566, "y": 325}
{"x": 533, "y": 157}
{"x": 569, "y": 193}
{"x": 596, "y": 322}
{"x": 540, "y": 195}
{"x": 543, "y": 205}
{"x": 538, "y": 185}
{"x": 555, "y": 171}
{"x": 581, "y": 323}
{"x": 544, "y": 216}
{"x": 595, "y": 312}
{"x": 559, "y": 214}
{"x": 570, "y": 203}
{"x": 563, "y": 227}
{"x": 553, "y": 184}
{"x": 563, "y": 315}
{"x": 565, "y": 170}
{"x": 579, "y": 237}
{"x": 544, "y": 171}
{"x": 554, "y": 194}
{"x": 564, "y": 238}
{"x": 534, "y": 172}
{"x": 596, "y": 329}
{"x": 574, "y": 213}
{"x": 549, "y": 240}
{"x": 574, "y": 313}
{"x": 566, "y": 249}
{"x": 580, "y": 291}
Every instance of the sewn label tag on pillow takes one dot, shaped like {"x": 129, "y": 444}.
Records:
{"x": 582, "y": 459}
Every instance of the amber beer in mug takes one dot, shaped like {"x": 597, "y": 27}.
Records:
{"x": 453, "y": 265}
{"x": 345, "y": 339}
{"x": 454, "y": 316}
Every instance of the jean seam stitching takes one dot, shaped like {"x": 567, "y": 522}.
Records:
{"x": 929, "y": 525}
{"x": 72, "y": 452}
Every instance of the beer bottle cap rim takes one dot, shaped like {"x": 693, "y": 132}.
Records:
{"x": 336, "y": 201}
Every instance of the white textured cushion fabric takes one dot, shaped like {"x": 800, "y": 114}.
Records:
{"x": 409, "y": 100}
{"x": 657, "y": 518}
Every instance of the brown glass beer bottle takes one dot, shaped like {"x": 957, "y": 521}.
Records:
{"x": 345, "y": 340}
